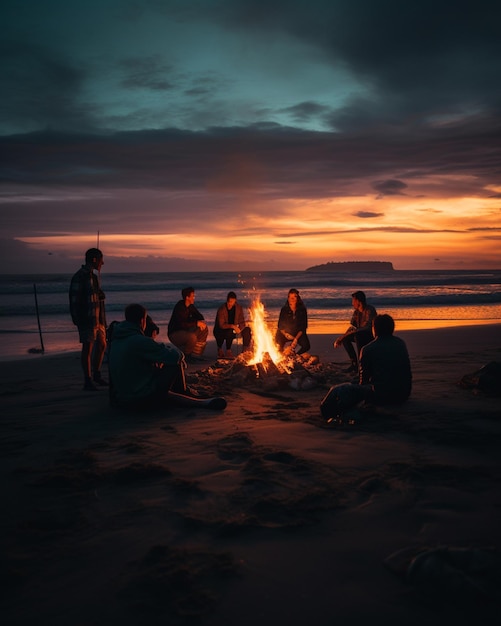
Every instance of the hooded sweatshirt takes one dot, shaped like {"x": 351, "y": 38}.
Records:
{"x": 132, "y": 361}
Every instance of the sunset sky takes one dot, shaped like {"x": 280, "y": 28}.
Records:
{"x": 240, "y": 134}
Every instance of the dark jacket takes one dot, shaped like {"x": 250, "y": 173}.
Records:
{"x": 291, "y": 322}
{"x": 184, "y": 318}
{"x": 222, "y": 318}
{"x": 86, "y": 299}
{"x": 385, "y": 365}
{"x": 133, "y": 359}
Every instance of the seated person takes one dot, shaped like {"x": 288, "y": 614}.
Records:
{"x": 385, "y": 373}
{"x": 292, "y": 324}
{"x": 187, "y": 328}
{"x": 230, "y": 322}
{"x": 360, "y": 329}
{"x": 145, "y": 373}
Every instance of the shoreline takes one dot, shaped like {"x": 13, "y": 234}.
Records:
{"x": 315, "y": 331}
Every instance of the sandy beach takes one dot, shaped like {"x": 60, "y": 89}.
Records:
{"x": 260, "y": 513}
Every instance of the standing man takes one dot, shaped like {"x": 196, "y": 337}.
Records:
{"x": 89, "y": 316}
{"x": 230, "y": 322}
{"x": 360, "y": 329}
{"x": 187, "y": 329}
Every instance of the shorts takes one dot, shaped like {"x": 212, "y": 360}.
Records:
{"x": 89, "y": 334}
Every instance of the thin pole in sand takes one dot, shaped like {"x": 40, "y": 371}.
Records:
{"x": 38, "y": 319}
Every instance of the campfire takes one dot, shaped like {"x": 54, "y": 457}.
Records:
{"x": 264, "y": 364}
{"x": 264, "y": 369}
{"x": 265, "y": 351}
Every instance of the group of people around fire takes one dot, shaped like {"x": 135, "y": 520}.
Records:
{"x": 145, "y": 371}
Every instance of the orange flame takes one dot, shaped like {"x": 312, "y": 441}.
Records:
{"x": 264, "y": 343}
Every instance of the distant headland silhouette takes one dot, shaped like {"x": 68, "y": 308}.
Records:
{"x": 353, "y": 266}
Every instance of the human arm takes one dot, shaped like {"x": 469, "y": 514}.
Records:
{"x": 365, "y": 319}
{"x": 300, "y": 326}
{"x": 365, "y": 368}
{"x": 240, "y": 318}
{"x": 195, "y": 314}
{"x": 158, "y": 353}
{"x": 284, "y": 326}
{"x": 351, "y": 330}
{"x": 223, "y": 319}
{"x": 185, "y": 318}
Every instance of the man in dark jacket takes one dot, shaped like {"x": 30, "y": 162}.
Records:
{"x": 187, "y": 328}
{"x": 385, "y": 373}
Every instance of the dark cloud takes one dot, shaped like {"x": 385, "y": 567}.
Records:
{"x": 305, "y": 111}
{"x": 419, "y": 59}
{"x": 379, "y": 229}
{"x": 266, "y": 159}
{"x": 484, "y": 228}
{"x": 389, "y": 187}
{"x": 40, "y": 89}
{"x": 367, "y": 214}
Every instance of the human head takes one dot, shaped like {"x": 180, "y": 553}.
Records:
{"x": 136, "y": 314}
{"x": 384, "y": 325}
{"x": 94, "y": 258}
{"x": 231, "y": 299}
{"x": 186, "y": 292}
{"x": 360, "y": 296}
{"x": 294, "y": 295}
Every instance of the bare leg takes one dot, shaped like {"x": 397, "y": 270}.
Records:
{"x": 86, "y": 358}
{"x": 98, "y": 355}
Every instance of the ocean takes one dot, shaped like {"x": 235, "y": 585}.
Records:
{"x": 416, "y": 299}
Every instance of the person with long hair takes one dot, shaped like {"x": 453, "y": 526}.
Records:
{"x": 292, "y": 324}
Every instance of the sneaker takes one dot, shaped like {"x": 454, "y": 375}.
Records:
{"x": 99, "y": 380}
{"x": 217, "y": 403}
{"x": 220, "y": 353}
{"x": 89, "y": 386}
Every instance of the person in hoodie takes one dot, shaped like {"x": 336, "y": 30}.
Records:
{"x": 142, "y": 371}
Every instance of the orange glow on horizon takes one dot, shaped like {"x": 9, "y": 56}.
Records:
{"x": 411, "y": 232}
